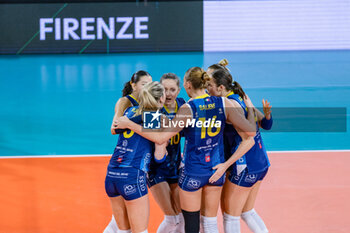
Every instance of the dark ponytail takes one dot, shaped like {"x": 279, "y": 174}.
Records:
{"x": 223, "y": 77}
{"x": 127, "y": 90}
{"x": 237, "y": 89}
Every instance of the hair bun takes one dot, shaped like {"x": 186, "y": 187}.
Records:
{"x": 203, "y": 75}
{"x": 223, "y": 62}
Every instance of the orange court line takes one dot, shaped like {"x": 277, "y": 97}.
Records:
{"x": 303, "y": 193}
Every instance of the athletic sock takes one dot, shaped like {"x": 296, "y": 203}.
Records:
{"x": 112, "y": 226}
{"x": 254, "y": 222}
{"x": 210, "y": 224}
{"x": 232, "y": 224}
{"x": 180, "y": 228}
{"x": 191, "y": 221}
{"x": 201, "y": 227}
{"x": 169, "y": 224}
{"x": 124, "y": 231}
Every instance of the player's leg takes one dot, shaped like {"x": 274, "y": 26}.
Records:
{"x": 235, "y": 199}
{"x": 131, "y": 184}
{"x": 120, "y": 221}
{"x": 222, "y": 199}
{"x": 190, "y": 202}
{"x": 118, "y": 206}
{"x": 210, "y": 205}
{"x": 162, "y": 195}
{"x": 138, "y": 213}
{"x": 252, "y": 197}
{"x": 249, "y": 215}
{"x": 175, "y": 197}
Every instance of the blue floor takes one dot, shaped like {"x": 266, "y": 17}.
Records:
{"x": 64, "y": 104}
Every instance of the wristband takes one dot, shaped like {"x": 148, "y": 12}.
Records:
{"x": 160, "y": 160}
{"x": 266, "y": 124}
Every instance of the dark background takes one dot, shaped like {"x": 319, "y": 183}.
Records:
{"x": 172, "y": 26}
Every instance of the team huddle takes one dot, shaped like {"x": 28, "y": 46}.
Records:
{"x": 221, "y": 164}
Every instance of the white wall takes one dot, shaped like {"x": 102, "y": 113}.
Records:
{"x": 276, "y": 25}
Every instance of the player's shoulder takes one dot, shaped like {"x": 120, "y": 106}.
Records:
{"x": 130, "y": 111}
{"x": 123, "y": 102}
{"x": 180, "y": 101}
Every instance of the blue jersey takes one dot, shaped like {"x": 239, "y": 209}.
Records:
{"x": 231, "y": 137}
{"x": 132, "y": 150}
{"x": 133, "y": 100}
{"x": 256, "y": 158}
{"x": 169, "y": 168}
{"x": 204, "y": 147}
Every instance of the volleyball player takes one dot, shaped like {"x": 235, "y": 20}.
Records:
{"x": 128, "y": 167}
{"x": 203, "y": 173}
{"x": 130, "y": 93}
{"x": 244, "y": 179}
{"x": 163, "y": 177}
{"x": 130, "y": 96}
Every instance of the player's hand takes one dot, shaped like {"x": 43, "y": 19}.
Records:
{"x": 121, "y": 123}
{"x": 248, "y": 102}
{"x": 267, "y": 109}
{"x": 113, "y": 127}
{"x": 220, "y": 171}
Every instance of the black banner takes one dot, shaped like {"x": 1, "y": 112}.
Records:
{"x": 101, "y": 27}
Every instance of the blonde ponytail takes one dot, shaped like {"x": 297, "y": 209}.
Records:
{"x": 223, "y": 62}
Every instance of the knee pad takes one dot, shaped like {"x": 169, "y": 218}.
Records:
{"x": 191, "y": 221}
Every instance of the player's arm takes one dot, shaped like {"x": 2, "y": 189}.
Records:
{"x": 247, "y": 140}
{"x": 136, "y": 119}
{"x": 246, "y": 144}
{"x": 160, "y": 152}
{"x": 119, "y": 109}
{"x": 164, "y": 134}
{"x": 237, "y": 119}
{"x": 264, "y": 119}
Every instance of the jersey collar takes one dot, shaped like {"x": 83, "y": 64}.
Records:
{"x": 168, "y": 111}
{"x": 231, "y": 93}
{"x": 202, "y": 96}
{"x": 134, "y": 98}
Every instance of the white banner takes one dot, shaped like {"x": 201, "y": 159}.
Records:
{"x": 276, "y": 25}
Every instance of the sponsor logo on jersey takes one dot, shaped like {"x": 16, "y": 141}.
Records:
{"x": 129, "y": 189}
{"x": 207, "y": 158}
{"x": 142, "y": 181}
{"x": 146, "y": 161}
{"x": 181, "y": 177}
{"x": 125, "y": 143}
{"x": 209, "y": 141}
{"x": 250, "y": 178}
{"x": 193, "y": 183}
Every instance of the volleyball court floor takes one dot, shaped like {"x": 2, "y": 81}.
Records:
{"x": 42, "y": 195}
{"x": 63, "y": 105}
